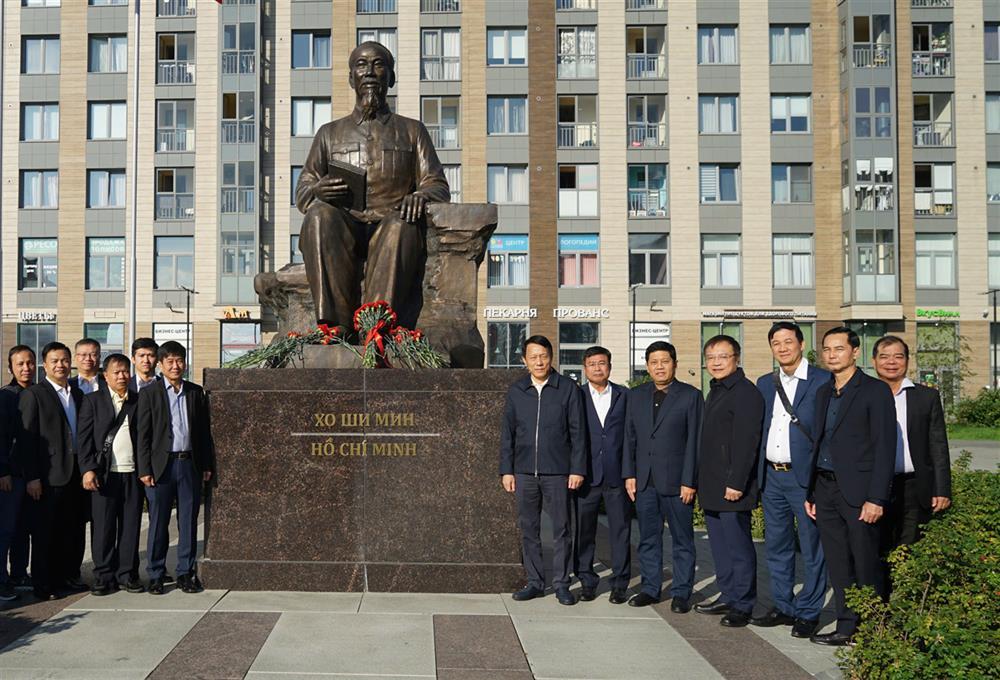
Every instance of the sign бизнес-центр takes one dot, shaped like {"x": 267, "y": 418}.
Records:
{"x": 347, "y": 434}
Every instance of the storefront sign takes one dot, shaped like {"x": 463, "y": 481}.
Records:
{"x": 34, "y": 317}
{"x": 507, "y": 243}
{"x": 233, "y": 313}
{"x": 577, "y": 243}
{"x": 510, "y": 313}
{"x": 643, "y": 335}
{"x": 758, "y": 314}
{"x": 937, "y": 314}
{"x": 581, "y": 313}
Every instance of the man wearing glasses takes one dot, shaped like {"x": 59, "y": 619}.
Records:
{"x": 87, "y": 353}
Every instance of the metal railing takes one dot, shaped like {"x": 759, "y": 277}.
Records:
{"x": 440, "y": 68}
{"x": 647, "y": 202}
{"x": 174, "y": 206}
{"x": 175, "y": 139}
{"x": 930, "y": 3}
{"x": 932, "y": 134}
{"x": 647, "y": 134}
{"x": 444, "y": 136}
{"x": 239, "y": 61}
{"x": 239, "y": 132}
{"x": 639, "y": 66}
{"x": 645, "y": 4}
{"x": 577, "y": 134}
{"x": 874, "y": 197}
{"x": 931, "y": 64}
{"x": 175, "y": 8}
{"x": 576, "y": 4}
{"x": 935, "y": 208}
{"x": 440, "y": 6}
{"x": 238, "y": 200}
{"x": 376, "y": 6}
{"x": 175, "y": 73}
{"x": 872, "y": 56}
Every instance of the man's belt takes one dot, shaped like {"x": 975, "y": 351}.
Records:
{"x": 181, "y": 455}
{"x": 903, "y": 476}
{"x": 780, "y": 467}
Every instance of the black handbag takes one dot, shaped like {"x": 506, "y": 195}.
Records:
{"x": 106, "y": 454}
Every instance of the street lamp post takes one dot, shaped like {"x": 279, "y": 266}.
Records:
{"x": 187, "y": 324}
{"x": 994, "y": 342}
{"x": 631, "y": 335}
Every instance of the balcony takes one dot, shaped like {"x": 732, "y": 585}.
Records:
{"x": 438, "y": 6}
{"x": 576, "y": 135}
{"x": 175, "y": 140}
{"x": 876, "y": 55}
{"x": 931, "y": 64}
{"x": 933, "y": 203}
{"x": 878, "y": 197}
{"x": 932, "y": 134}
{"x": 644, "y": 135}
{"x": 440, "y": 68}
{"x": 174, "y": 206}
{"x": 647, "y": 202}
{"x": 576, "y": 4}
{"x": 239, "y": 61}
{"x": 376, "y": 6}
{"x": 175, "y": 73}
{"x": 443, "y": 136}
{"x": 238, "y": 200}
{"x": 175, "y": 8}
{"x": 638, "y": 5}
{"x": 931, "y": 4}
{"x": 576, "y": 66}
{"x": 642, "y": 66}
{"x": 239, "y": 132}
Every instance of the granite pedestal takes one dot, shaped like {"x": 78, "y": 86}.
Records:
{"x": 359, "y": 480}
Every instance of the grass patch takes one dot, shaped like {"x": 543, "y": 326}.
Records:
{"x": 973, "y": 432}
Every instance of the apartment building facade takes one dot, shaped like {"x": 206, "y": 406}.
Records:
{"x": 664, "y": 169}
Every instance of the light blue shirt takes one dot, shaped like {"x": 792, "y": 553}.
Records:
{"x": 178, "y": 417}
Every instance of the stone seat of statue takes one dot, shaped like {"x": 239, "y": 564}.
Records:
{"x": 457, "y": 237}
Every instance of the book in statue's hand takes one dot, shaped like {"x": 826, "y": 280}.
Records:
{"x": 356, "y": 181}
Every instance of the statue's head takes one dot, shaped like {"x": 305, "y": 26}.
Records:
{"x": 372, "y": 73}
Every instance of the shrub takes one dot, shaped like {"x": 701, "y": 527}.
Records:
{"x": 983, "y": 410}
{"x": 943, "y": 618}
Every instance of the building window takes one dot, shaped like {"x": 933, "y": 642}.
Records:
{"x": 648, "y": 259}
{"x": 646, "y": 52}
{"x": 578, "y": 265}
{"x": 384, "y": 36}
{"x": 175, "y": 58}
{"x": 933, "y": 189}
{"x": 872, "y": 112}
{"x": 717, "y": 45}
{"x": 39, "y": 122}
{"x": 110, "y": 335}
{"x": 993, "y": 112}
{"x": 791, "y": 183}
{"x": 931, "y": 49}
{"x": 296, "y": 173}
{"x": 647, "y": 190}
{"x": 993, "y": 268}
{"x": 105, "y": 264}
{"x": 440, "y": 54}
{"x": 872, "y": 41}
{"x": 577, "y": 125}
{"x": 504, "y": 344}
{"x": 293, "y": 247}
{"x": 239, "y": 113}
{"x": 935, "y": 260}
{"x": 239, "y": 188}
{"x": 309, "y": 115}
{"x": 106, "y": 120}
{"x": 441, "y": 116}
{"x": 310, "y": 49}
{"x": 40, "y": 54}
{"x": 506, "y": 47}
{"x": 507, "y": 184}
{"x": 875, "y": 256}
{"x": 873, "y": 191}
{"x": 166, "y": 8}
{"x": 105, "y": 188}
{"x": 868, "y": 333}
{"x": 508, "y": 261}
{"x": 577, "y": 55}
{"x": 174, "y": 262}
{"x": 647, "y": 121}
{"x": 718, "y": 114}
{"x": 790, "y": 113}
{"x": 174, "y": 193}
{"x": 239, "y": 254}
{"x": 793, "y": 260}
{"x": 453, "y": 173}
{"x": 238, "y": 338}
{"x": 720, "y": 183}
{"x": 506, "y": 115}
{"x": 578, "y": 191}
{"x": 175, "y": 125}
{"x": 992, "y": 42}
{"x": 574, "y": 339}
{"x": 39, "y": 264}
{"x": 376, "y": 6}
{"x": 46, "y": 3}
{"x": 108, "y": 54}
{"x": 790, "y": 45}
{"x": 932, "y": 114}
{"x": 733, "y": 329}
{"x": 36, "y": 336}
{"x": 993, "y": 182}
{"x": 239, "y": 53}
{"x": 720, "y": 261}
{"x": 39, "y": 188}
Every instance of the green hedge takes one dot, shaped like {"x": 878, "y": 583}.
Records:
{"x": 943, "y": 618}
{"x": 982, "y": 410}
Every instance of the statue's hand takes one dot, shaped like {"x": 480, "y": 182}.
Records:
{"x": 412, "y": 208}
{"x": 332, "y": 190}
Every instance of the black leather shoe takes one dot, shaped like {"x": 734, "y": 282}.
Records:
{"x": 680, "y": 605}
{"x": 618, "y": 596}
{"x": 735, "y": 619}
{"x": 134, "y": 585}
{"x": 44, "y": 594}
{"x": 772, "y": 618}
{"x": 587, "y": 594}
{"x": 102, "y": 588}
{"x": 190, "y": 583}
{"x": 717, "y": 607}
{"x": 804, "y": 628}
{"x": 168, "y": 579}
{"x": 642, "y": 600}
{"x": 155, "y": 587}
{"x": 833, "y": 639}
{"x": 527, "y": 593}
{"x": 565, "y": 597}
{"x": 75, "y": 584}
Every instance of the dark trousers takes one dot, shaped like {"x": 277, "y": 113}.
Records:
{"x": 58, "y": 534}
{"x": 904, "y": 516}
{"x": 117, "y": 514}
{"x": 181, "y": 482}
{"x": 783, "y": 500}
{"x": 851, "y": 548}
{"x": 651, "y": 509}
{"x": 551, "y": 493}
{"x": 10, "y": 514}
{"x": 586, "y": 501}
{"x": 734, "y": 556}
{"x": 20, "y": 546}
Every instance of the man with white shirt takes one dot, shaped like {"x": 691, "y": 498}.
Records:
{"x": 46, "y": 451}
{"x": 604, "y": 404}
{"x": 783, "y": 474}
{"x": 88, "y": 357}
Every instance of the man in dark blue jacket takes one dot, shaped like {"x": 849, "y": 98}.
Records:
{"x": 543, "y": 456}
{"x": 660, "y": 467}
{"x": 604, "y": 403}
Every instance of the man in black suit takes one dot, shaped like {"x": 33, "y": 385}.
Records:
{"x": 144, "y": 362}
{"x": 543, "y": 457}
{"x": 46, "y": 451}
{"x": 604, "y": 402}
{"x": 660, "y": 468}
{"x": 115, "y": 491}
{"x": 175, "y": 457}
{"x": 853, "y": 460}
{"x": 727, "y": 479}
{"x": 922, "y": 483}
{"x": 88, "y": 360}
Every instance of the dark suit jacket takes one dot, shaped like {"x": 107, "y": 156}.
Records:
{"x": 133, "y": 383}
{"x": 604, "y": 462}
{"x": 928, "y": 439}
{"x": 96, "y": 419}
{"x": 730, "y": 441}
{"x": 101, "y": 383}
{"x": 863, "y": 439}
{"x": 44, "y": 447}
{"x": 804, "y": 405}
{"x": 663, "y": 452}
{"x": 10, "y": 423}
{"x": 155, "y": 433}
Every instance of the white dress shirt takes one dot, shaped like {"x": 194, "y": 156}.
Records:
{"x": 122, "y": 455}
{"x": 69, "y": 406}
{"x": 87, "y": 385}
{"x": 778, "y": 440}
{"x": 602, "y": 400}
{"x": 904, "y": 464}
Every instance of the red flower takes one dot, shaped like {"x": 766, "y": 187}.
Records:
{"x": 335, "y": 332}
{"x": 293, "y": 334}
{"x": 324, "y": 329}
{"x": 416, "y": 334}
